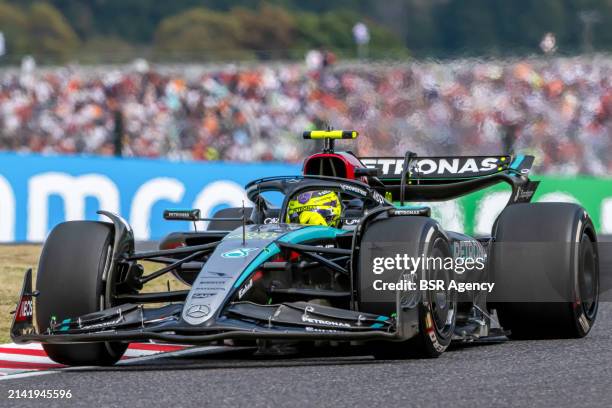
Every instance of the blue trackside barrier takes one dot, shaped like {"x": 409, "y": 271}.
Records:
{"x": 37, "y": 192}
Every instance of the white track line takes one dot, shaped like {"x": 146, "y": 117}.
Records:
{"x": 15, "y": 358}
{"x": 28, "y": 346}
{"x": 23, "y": 358}
{"x": 26, "y": 374}
{"x": 179, "y": 353}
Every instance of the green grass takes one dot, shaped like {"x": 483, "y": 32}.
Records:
{"x": 16, "y": 259}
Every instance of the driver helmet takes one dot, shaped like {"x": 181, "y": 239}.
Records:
{"x": 315, "y": 208}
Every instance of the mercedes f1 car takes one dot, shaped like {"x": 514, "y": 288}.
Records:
{"x": 302, "y": 272}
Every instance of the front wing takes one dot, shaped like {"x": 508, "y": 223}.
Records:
{"x": 240, "y": 320}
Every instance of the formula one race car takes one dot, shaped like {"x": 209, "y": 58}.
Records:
{"x": 341, "y": 261}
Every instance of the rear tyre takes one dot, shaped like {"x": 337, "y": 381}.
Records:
{"x": 547, "y": 250}
{"x": 74, "y": 263}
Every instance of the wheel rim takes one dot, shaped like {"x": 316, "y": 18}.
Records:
{"x": 588, "y": 278}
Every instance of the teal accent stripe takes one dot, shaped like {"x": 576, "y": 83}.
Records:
{"x": 409, "y": 207}
{"x": 308, "y": 233}
{"x": 64, "y": 325}
{"x": 517, "y": 161}
{"x": 293, "y": 237}
{"x": 379, "y": 325}
{"x": 267, "y": 252}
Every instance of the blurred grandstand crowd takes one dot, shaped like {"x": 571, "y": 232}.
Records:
{"x": 559, "y": 109}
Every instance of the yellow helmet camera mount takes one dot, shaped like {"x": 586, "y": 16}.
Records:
{"x": 329, "y": 137}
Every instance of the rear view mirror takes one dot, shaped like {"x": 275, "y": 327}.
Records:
{"x": 182, "y": 214}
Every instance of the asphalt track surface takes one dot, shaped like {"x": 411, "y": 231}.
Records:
{"x": 547, "y": 373}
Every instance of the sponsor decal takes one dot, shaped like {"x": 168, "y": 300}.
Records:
{"x": 308, "y": 319}
{"x": 243, "y": 290}
{"x": 202, "y": 295}
{"x": 304, "y": 197}
{"x": 354, "y": 189}
{"x": 198, "y": 311}
{"x": 523, "y": 195}
{"x": 305, "y": 208}
{"x": 103, "y": 324}
{"x": 387, "y": 166}
{"x": 314, "y": 329}
{"x": 182, "y": 214}
{"x": 219, "y": 274}
{"x": 238, "y": 253}
{"x": 378, "y": 198}
{"x": 439, "y": 166}
{"x": 178, "y": 215}
{"x": 271, "y": 220}
{"x": 525, "y": 192}
{"x": 25, "y": 309}
{"x": 350, "y": 221}
{"x": 416, "y": 211}
{"x": 212, "y": 281}
{"x": 255, "y": 235}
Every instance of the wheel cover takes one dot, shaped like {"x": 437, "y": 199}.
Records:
{"x": 442, "y": 302}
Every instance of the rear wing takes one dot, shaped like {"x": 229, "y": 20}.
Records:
{"x": 436, "y": 178}
{"x": 443, "y": 178}
{"x": 438, "y": 168}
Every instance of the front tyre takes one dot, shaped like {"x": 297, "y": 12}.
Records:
{"x": 427, "y": 318}
{"x": 436, "y": 313}
{"x": 72, "y": 272}
{"x": 439, "y": 307}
